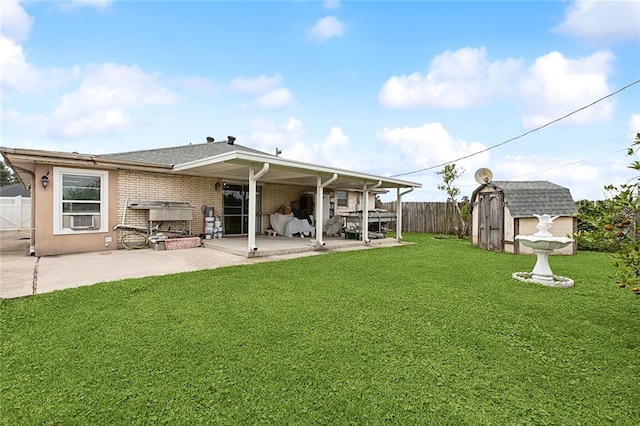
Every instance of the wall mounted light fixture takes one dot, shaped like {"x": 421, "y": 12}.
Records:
{"x": 44, "y": 180}
{"x": 217, "y": 186}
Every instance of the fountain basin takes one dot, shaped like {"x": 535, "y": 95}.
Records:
{"x": 543, "y": 243}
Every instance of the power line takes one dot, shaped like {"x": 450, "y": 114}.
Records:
{"x": 573, "y": 162}
{"x": 573, "y": 149}
{"x": 584, "y": 159}
{"x": 567, "y": 164}
{"x": 523, "y": 134}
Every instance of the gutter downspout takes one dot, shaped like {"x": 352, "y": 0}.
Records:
{"x": 320, "y": 206}
{"x": 32, "y": 190}
{"x": 399, "y": 212}
{"x": 253, "y": 178}
{"x": 365, "y": 211}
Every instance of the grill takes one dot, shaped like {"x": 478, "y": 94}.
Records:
{"x": 163, "y": 210}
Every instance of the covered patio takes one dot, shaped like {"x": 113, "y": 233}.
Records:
{"x": 258, "y": 168}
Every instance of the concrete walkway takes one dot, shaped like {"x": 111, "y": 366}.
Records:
{"x": 23, "y": 275}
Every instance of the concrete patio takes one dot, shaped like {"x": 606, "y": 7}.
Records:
{"x": 23, "y": 275}
{"x": 279, "y": 245}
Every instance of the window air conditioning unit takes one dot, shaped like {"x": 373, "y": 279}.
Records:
{"x": 85, "y": 221}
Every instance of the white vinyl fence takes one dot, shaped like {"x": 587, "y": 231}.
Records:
{"x": 15, "y": 213}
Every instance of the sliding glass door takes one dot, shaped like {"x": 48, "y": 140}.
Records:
{"x": 235, "y": 205}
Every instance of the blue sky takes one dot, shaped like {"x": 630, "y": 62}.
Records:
{"x": 379, "y": 87}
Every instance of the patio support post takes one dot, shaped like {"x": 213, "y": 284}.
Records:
{"x": 399, "y": 212}
{"x": 365, "y": 210}
{"x": 319, "y": 207}
{"x": 253, "y": 178}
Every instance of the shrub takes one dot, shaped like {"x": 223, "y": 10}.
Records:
{"x": 612, "y": 225}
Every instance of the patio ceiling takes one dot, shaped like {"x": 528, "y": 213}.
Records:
{"x": 234, "y": 166}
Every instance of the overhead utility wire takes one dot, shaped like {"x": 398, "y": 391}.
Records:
{"x": 568, "y": 164}
{"x": 522, "y": 135}
{"x": 583, "y": 160}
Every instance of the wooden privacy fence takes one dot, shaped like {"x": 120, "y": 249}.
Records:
{"x": 428, "y": 217}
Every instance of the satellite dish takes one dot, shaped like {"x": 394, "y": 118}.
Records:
{"x": 483, "y": 175}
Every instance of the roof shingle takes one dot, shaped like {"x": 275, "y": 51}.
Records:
{"x": 180, "y": 154}
{"x": 526, "y": 198}
{"x": 13, "y": 190}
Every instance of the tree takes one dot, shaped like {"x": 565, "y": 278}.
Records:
{"x": 449, "y": 175}
{"x": 6, "y": 175}
{"x": 615, "y": 227}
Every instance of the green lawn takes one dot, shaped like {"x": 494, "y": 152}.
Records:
{"x": 433, "y": 333}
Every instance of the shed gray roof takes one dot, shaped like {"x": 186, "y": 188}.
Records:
{"x": 526, "y": 198}
{"x": 180, "y": 154}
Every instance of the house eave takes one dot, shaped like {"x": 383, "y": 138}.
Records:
{"x": 26, "y": 157}
{"x": 295, "y": 167}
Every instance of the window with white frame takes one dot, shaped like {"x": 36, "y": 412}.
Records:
{"x": 342, "y": 198}
{"x": 80, "y": 201}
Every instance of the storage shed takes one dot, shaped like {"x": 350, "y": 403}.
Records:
{"x": 500, "y": 210}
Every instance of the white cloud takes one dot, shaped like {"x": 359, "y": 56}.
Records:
{"x": 266, "y": 135}
{"x": 90, "y": 124}
{"x": 335, "y": 151}
{"x": 278, "y": 98}
{"x": 198, "y": 84}
{"x": 21, "y": 76}
{"x": 98, "y": 4}
{"x": 102, "y": 103}
{"x": 430, "y": 144}
{"x": 15, "y": 23}
{"x": 292, "y": 125}
{"x": 273, "y": 95}
{"x": 335, "y": 139}
{"x": 14, "y": 117}
{"x": 331, "y": 4}
{"x": 326, "y": 28}
{"x": 17, "y": 74}
{"x": 331, "y": 151}
{"x": 550, "y": 88}
{"x": 556, "y": 85}
{"x": 597, "y": 20}
{"x": 456, "y": 79}
{"x": 259, "y": 84}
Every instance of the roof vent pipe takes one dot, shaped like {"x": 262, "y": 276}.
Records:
{"x": 231, "y": 140}
{"x": 210, "y": 139}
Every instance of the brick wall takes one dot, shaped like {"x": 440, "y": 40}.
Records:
{"x": 196, "y": 191}
{"x": 275, "y": 195}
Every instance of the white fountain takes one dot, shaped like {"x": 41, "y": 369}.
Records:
{"x": 543, "y": 243}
